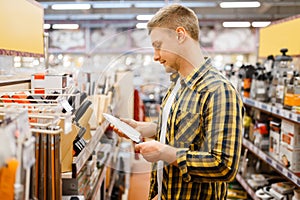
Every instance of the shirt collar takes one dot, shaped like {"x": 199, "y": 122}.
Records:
{"x": 197, "y": 73}
{"x": 174, "y": 76}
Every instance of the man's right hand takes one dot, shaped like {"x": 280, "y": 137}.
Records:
{"x": 130, "y": 122}
{"x": 146, "y": 129}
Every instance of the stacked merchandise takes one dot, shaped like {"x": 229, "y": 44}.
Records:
{"x": 271, "y": 97}
{"x": 260, "y": 82}
{"x": 16, "y": 153}
{"x": 245, "y": 75}
{"x": 274, "y": 137}
{"x": 44, "y": 114}
{"x": 277, "y": 82}
{"x": 57, "y": 119}
{"x": 290, "y": 146}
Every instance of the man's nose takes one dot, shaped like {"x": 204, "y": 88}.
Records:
{"x": 156, "y": 56}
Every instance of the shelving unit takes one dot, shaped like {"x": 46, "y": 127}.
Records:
{"x": 245, "y": 185}
{"x": 280, "y": 113}
{"x": 81, "y": 159}
{"x": 272, "y": 162}
{"x": 100, "y": 183}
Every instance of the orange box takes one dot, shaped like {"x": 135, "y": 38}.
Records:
{"x": 292, "y": 99}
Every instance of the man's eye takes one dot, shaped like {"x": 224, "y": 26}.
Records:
{"x": 157, "y": 47}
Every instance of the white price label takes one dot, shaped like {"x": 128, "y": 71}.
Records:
{"x": 286, "y": 114}
{"x": 65, "y": 104}
{"x": 260, "y": 91}
{"x": 29, "y": 153}
{"x": 77, "y": 100}
{"x": 68, "y": 124}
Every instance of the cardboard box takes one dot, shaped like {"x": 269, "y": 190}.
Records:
{"x": 100, "y": 105}
{"x": 70, "y": 186}
{"x": 84, "y": 122}
{"x": 274, "y": 147}
{"x": 290, "y": 134}
{"x": 274, "y": 138}
{"x": 66, "y": 149}
{"x": 290, "y": 158}
{"x": 48, "y": 83}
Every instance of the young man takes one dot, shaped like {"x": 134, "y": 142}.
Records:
{"x": 198, "y": 137}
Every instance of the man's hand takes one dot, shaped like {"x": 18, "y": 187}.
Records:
{"x": 154, "y": 151}
{"x": 130, "y": 122}
{"x": 146, "y": 129}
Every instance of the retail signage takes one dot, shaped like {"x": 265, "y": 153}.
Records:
{"x": 21, "y": 25}
{"x": 280, "y": 34}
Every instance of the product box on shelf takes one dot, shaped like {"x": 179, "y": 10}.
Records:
{"x": 76, "y": 186}
{"x": 274, "y": 139}
{"x": 100, "y": 105}
{"x": 292, "y": 99}
{"x": 261, "y": 134}
{"x": 274, "y": 147}
{"x": 290, "y": 158}
{"x": 72, "y": 197}
{"x": 290, "y": 134}
{"x": 67, "y": 149}
{"x": 42, "y": 83}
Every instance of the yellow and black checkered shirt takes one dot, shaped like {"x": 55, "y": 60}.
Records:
{"x": 205, "y": 124}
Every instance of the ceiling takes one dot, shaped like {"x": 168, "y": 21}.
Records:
{"x": 123, "y": 13}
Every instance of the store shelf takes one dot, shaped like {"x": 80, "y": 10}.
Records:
{"x": 272, "y": 162}
{"x": 245, "y": 185}
{"x": 273, "y": 109}
{"x": 80, "y": 160}
{"x": 100, "y": 182}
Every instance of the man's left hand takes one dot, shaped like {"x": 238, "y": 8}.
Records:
{"x": 154, "y": 151}
{"x": 151, "y": 150}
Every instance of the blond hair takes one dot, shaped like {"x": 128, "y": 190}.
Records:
{"x": 174, "y": 16}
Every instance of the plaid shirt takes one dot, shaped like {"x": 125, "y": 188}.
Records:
{"x": 205, "y": 124}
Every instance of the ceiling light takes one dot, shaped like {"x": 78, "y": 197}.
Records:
{"x": 242, "y": 4}
{"x": 236, "y": 24}
{"x": 153, "y": 4}
{"x": 55, "y": 17}
{"x": 71, "y": 6}
{"x": 85, "y": 17}
{"x": 47, "y": 26}
{"x": 118, "y": 16}
{"x": 65, "y": 26}
{"x": 144, "y": 17}
{"x": 112, "y": 5}
{"x": 261, "y": 24}
{"x": 199, "y": 4}
{"x": 141, "y": 25}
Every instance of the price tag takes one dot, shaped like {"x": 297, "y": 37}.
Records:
{"x": 280, "y": 168}
{"x": 250, "y": 102}
{"x": 65, "y": 104}
{"x": 28, "y": 153}
{"x": 281, "y": 112}
{"x": 269, "y": 160}
{"x": 298, "y": 118}
{"x": 77, "y": 100}
{"x": 261, "y": 91}
{"x": 258, "y": 104}
{"x": 275, "y": 110}
{"x": 68, "y": 124}
{"x": 268, "y": 107}
{"x": 258, "y": 151}
{"x": 286, "y": 114}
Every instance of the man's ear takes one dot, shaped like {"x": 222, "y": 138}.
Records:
{"x": 181, "y": 34}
